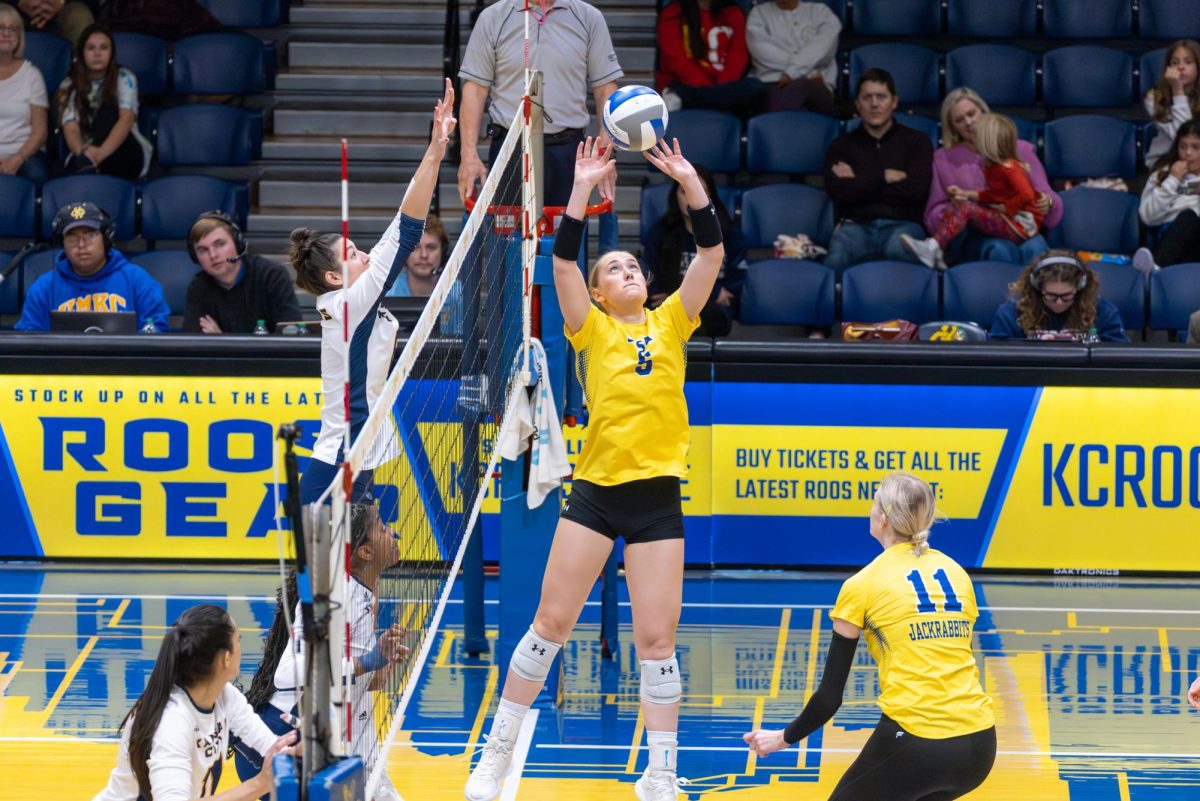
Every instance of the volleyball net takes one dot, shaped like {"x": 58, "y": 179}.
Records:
{"x": 427, "y": 455}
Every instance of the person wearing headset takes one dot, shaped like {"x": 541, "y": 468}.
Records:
{"x": 90, "y": 274}
{"x": 421, "y": 272}
{"x": 1057, "y": 297}
{"x": 234, "y": 289}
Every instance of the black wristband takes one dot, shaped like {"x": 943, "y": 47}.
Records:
{"x": 568, "y": 238}
{"x": 706, "y": 229}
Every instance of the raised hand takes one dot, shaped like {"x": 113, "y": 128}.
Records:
{"x": 592, "y": 166}
{"x": 443, "y": 117}
{"x": 670, "y": 161}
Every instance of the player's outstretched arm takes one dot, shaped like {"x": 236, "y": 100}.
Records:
{"x": 710, "y": 251}
{"x": 1194, "y": 693}
{"x": 591, "y": 167}
{"x": 424, "y": 181}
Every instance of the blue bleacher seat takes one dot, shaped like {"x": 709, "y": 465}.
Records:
{"x": 897, "y": 17}
{"x": 1146, "y": 136}
{"x": 51, "y": 54}
{"x": 1029, "y": 130}
{"x": 10, "y": 290}
{"x": 838, "y": 7}
{"x": 1087, "y": 19}
{"x": 17, "y": 204}
{"x": 914, "y": 68}
{"x": 926, "y": 125}
{"x": 35, "y": 266}
{"x": 711, "y": 138}
{"x": 768, "y": 211}
{"x": 985, "y": 19}
{"x": 174, "y": 270}
{"x": 170, "y": 205}
{"x": 1090, "y": 146}
{"x": 147, "y": 57}
{"x": 791, "y": 142}
{"x": 205, "y": 134}
{"x": 1174, "y": 296}
{"x": 883, "y": 290}
{"x": 1003, "y": 75}
{"x": 219, "y": 64}
{"x": 1125, "y": 288}
{"x": 241, "y": 14}
{"x": 1168, "y": 19}
{"x": 974, "y": 290}
{"x": 655, "y": 197}
{"x": 1097, "y": 219}
{"x": 787, "y": 292}
{"x": 114, "y": 195}
{"x": 1087, "y": 75}
{"x": 1150, "y": 69}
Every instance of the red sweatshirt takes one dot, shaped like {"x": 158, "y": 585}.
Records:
{"x": 725, "y": 60}
{"x": 1008, "y": 185}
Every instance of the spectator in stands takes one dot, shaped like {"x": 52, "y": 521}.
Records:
{"x": 793, "y": 50}
{"x": 958, "y": 163}
{"x": 67, "y": 18}
{"x": 23, "y": 104}
{"x": 423, "y": 268}
{"x": 670, "y": 247}
{"x": 702, "y": 58}
{"x": 234, "y": 289}
{"x": 1175, "y": 99}
{"x": 1171, "y": 199}
{"x": 1057, "y": 297}
{"x": 91, "y": 275}
{"x": 98, "y": 106}
{"x": 573, "y": 50}
{"x": 1006, "y": 208}
{"x": 1193, "y": 332}
{"x": 878, "y": 178}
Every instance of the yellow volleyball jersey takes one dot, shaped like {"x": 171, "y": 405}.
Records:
{"x": 917, "y": 614}
{"x": 632, "y": 376}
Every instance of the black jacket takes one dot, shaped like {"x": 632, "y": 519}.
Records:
{"x": 867, "y": 196}
{"x": 264, "y": 293}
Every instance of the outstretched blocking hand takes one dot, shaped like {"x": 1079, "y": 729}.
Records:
{"x": 443, "y": 118}
{"x": 593, "y": 164}
{"x": 671, "y": 162}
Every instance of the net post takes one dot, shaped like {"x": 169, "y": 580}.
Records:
{"x": 319, "y": 732}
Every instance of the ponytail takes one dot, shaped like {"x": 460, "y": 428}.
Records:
{"x": 185, "y": 657}
{"x": 908, "y": 503}
{"x": 263, "y": 685}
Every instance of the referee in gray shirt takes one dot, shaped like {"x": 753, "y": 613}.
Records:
{"x": 570, "y": 44}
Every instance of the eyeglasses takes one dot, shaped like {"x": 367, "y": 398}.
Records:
{"x": 1058, "y": 297}
{"x": 12, "y": 30}
{"x": 74, "y": 238}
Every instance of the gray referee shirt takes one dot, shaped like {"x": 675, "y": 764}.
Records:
{"x": 571, "y": 47}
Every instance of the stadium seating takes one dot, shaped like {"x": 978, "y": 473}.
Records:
{"x": 1174, "y": 296}
{"x": 768, "y": 211}
{"x": 1087, "y": 76}
{"x": 242, "y": 14}
{"x": 1168, "y": 19}
{"x": 983, "y": 19}
{"x": 1028, "y": 130}
{"x": 206, "y": 134}
{"x": 1097, "y": 219}
{"x": 792, "y": 142}
{"x": 35, "y": 266}
{"x": 914, "y": 68}
{"x": 10, "y": 290}
{"x": 219, "y": 64}
{"x": 1090, "y": 146}
{"x": 115, "y": 195}
{"x": 711, "y": 138}
{"x": 17, "y": 201}
{"x": 883, "y": 290}
{"x": 147, "y": 57}
{"x": 897, "y": 17}
{"x": 930, "y": 127}
{"x": 973, "y": 291}
{"x": 170, "y": 205}
{"x": 1003, "y": 75}
{"x": 656, "y": 196}
{"x": 51, "y": 54}
{"x": 174, "y": 270}
{"x": 1087, "y": 19}
{"x": 1125, "y": 288}
{"x": 1150, "y": 69}
{"x": 787, "y": 292}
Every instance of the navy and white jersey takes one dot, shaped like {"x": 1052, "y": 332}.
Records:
{"x": 188, "y": 751}
{"x": 372, "y": 341}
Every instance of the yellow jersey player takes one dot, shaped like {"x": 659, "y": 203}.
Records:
{"x": 631, "y": 364}
{"x": 936, "y": 738}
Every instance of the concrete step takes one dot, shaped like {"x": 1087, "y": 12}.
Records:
{"x": 388, "y": 149}
{"x": 414, "y": 83}
{"x": 334, "y": 55}
{"x": 426, "y": 16}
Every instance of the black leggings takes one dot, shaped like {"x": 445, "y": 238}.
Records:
{"x": 1180, "y": 242}
{"x": 897, "y": 766}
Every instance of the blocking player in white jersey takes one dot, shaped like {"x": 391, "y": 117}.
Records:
{"x": 317, "y": 259}
{"x": 173, "y": 741}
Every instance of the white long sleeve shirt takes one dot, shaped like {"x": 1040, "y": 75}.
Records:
{"x": 1180, "y": 112}
{"x": 1162, "y": 202}
{"x": 189, "y": 747}
{"x": 799, "y": 42}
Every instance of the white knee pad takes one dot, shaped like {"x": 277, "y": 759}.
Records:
{"x": 533, "y": 657}
{"x": 660, "y": 681}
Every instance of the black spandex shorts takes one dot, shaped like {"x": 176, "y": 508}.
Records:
{"x": 897, "y": 766}
{"x": 646, "y": 510}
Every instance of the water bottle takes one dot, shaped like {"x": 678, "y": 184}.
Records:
{"x": 301, "y": 330}
{"x": 148, "y": 327}
{"x": 260, "y": 330}
{"x": 1092, "y": 336}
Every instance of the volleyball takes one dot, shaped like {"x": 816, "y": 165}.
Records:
{"x": 635, "y": 117}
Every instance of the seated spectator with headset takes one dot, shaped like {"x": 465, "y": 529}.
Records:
{"x": 1057, "y": 297}
{"x": 91, "y": 275}
{"x": 422, "y": 269}
{"x": 233, "y": 290}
